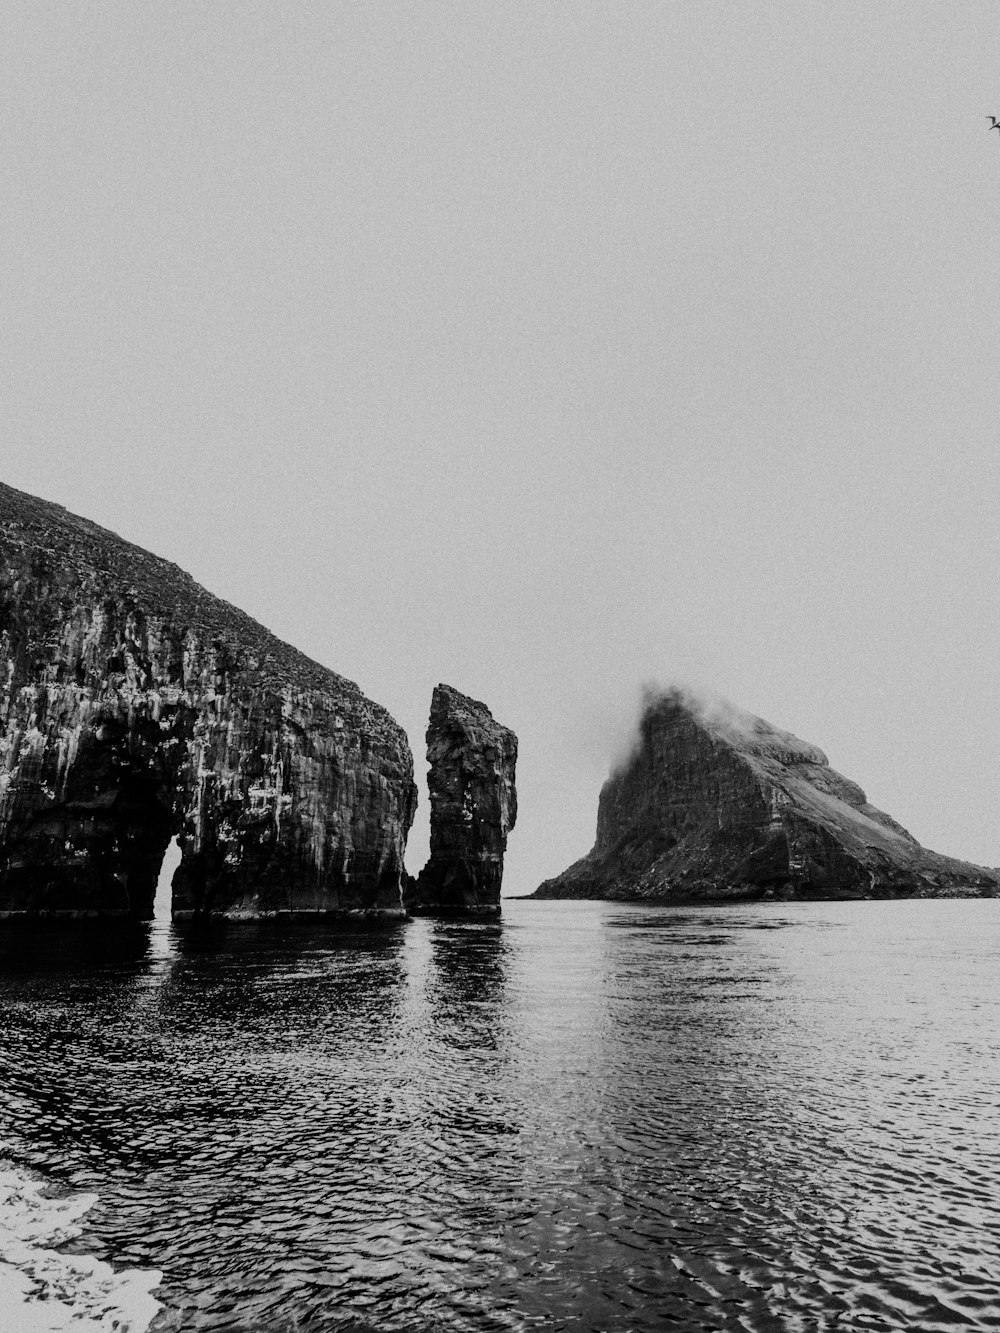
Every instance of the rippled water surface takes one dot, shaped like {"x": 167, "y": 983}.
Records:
{"x": 587, "y": 1117}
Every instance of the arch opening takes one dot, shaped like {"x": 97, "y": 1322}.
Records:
{"x": 163, "y": 898}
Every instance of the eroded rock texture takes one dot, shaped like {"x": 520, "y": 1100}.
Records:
{"x": 134, "y": 705}
{"x": 715, "y": 803}
{"x": 473, "y": 806}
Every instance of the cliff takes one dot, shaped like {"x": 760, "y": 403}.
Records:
{"x": 715, "y": 803}
{"x": 473, "y": 806}
{"x": 135, "y": 706}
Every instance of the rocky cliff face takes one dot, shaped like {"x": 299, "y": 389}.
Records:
{"x": 716, "y": 803}
{"x": 473, "y": 806}
{"x": 135, "y": 706}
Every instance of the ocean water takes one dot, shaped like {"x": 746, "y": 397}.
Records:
{"x": 588, "y": 1116}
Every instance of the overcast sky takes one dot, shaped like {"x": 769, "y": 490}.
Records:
{"x": 543, "y": 349}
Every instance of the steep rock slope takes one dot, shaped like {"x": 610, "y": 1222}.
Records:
{"x": 472, "y": 760}
{"x": 134, "y": 705}
{"x": 716, "y": 803}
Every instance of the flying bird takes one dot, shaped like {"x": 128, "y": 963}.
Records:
{"x": 995, "y": 125}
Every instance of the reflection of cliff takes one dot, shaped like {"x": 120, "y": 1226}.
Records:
{"x": 473, "y": 806}
{"x": 470, "y": 964}
{"x": 135, "y": 705}
{"x": 722, "y": 804}
{"x": 467, "y": 1036}
{"x": 111, "y": 1025}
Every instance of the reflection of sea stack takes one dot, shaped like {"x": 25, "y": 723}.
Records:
{"x": 716, "y": 803}
{"x": 473, "y": 806}
{"x": 135, "y": 706}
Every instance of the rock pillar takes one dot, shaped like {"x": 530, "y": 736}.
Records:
{"x": 473, "y": 807}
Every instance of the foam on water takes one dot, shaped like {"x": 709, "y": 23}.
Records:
{"x": 43, "y": 1289}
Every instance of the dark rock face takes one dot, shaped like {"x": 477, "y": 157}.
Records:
{"x": 716, "y": 803}
{"x": 135, "y": 706}
{"x": 473, "y": 807}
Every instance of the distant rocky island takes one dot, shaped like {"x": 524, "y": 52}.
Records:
{"x": 136, "y": 707}
{"x": 716, "y": 804}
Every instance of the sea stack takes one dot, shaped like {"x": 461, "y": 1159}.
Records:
{"x": 472, "y": 759}
{"x": 135, "y": 707}
{"x": 715, "y": 803}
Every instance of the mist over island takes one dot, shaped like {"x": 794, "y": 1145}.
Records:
{"x": 714, "y": 803}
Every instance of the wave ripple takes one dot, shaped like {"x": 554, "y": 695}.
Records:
{"x": 587, "y": 1117}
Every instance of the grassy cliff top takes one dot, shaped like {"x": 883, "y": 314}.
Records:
{"x": 45, "y": 539}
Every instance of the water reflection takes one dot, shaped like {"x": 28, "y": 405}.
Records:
{"x": 468, "y": 984}
{"x": 67, "y": 948}
{"x": 624, "y": 1119}
{"x": 163, "y": 940}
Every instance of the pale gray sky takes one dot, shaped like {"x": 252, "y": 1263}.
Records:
{"x": 543, "y": 349}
